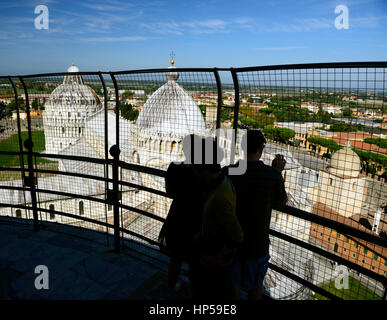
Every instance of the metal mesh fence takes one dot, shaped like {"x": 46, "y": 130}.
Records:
{"x": 327, "y": 122}
{"x": 156, "y": 111}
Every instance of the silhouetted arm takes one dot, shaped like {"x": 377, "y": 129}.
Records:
{"x": 280, "y": 198}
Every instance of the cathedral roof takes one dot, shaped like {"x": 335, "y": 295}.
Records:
{"x": 171, "y": 109}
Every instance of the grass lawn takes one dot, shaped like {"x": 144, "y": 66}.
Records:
{"x": 12, "y": 144}
{"x": 355, "y": 291}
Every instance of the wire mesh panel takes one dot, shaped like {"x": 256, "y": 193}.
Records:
{"x": 65, "y": 109}
{"x": 346, "y": 282}
{"x": 327, "y": 120}
{"x": 156, "y": 111}
{"x": 13, "y": 128}
{"x": 67, "y": 119}
{"x": 9, "y": 133}
{"x": 329, "y": 124}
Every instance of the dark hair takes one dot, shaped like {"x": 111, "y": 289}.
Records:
{"x": 255, "y": 140}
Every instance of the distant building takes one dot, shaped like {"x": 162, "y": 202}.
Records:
{"x": 331, "y": 109}
{"x": 341, "y": 195}
{"x": 312, "y": 107}
{"x": 22, "y": 115}
{"x": 301, "y": 130}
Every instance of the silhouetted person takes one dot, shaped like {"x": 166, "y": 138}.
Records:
{"x": 184, "y": 216}
{"x": 258, "y": 190}
{"x": 220, "y": 233}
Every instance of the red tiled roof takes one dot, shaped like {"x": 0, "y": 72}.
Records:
{"x": 361, "y": 145}
{"x": 323, "y": 211}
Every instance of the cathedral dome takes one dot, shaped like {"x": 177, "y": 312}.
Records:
{"x": 171, "y": 109}
{"x": 73, "y": 91}
{"x": 66, "y": 111}
{"x": 73, "y": 68}
{"x": 345, "y": 162}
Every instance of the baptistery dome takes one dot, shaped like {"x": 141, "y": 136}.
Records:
{"x": 66, "y": 111}
{"x": 171, "y": 109}
{"x": 345, "y": 162}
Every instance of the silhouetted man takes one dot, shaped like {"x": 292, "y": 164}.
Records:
{"x": 259, "y": 189}
{"x": 184, "y": 216}
{"x": 220, "y": 232}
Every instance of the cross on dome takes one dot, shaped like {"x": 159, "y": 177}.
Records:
{"x": 172, "y": 55}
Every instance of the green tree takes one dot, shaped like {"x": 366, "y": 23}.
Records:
{"x": 225, "y": 115}
{"x": 327, "y": 143}
{"x": 3, "y": 113}
{"x": 323, "y": 116}
{"x": 341, "y": 126}
{"x": 127, "y": 94}
{"x": 34, "y": 105}
{"x": 127, "y": 112}
{"x": 279, "y": 134}
{"x": 381, "y": 143}
{"x": 347, "y": 113}
{"x": 3, "y": 110}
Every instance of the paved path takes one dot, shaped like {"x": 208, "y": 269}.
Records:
{"x": 81, "y": 265}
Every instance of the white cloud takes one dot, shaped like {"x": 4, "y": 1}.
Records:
{"x": 164, "y": 28}
{"x": 113, "y": 39}
{"x": 107, "y": 7}
{"x": 300, "y": 25}
{"x": 280, "y": 48}
{"x": 197, "y": 26}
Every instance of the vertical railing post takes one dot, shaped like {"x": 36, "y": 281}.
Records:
{"x": 220, "y": 98}
{"x": 113, "y": 196}
{"x": 236, "y": 98}
{"x": 106, "y": 140}
{"x": 30, "y": 181}
{"x": 115, "y": 153}
{"x": 18, "y": 129}
{"x": 117, "y": 109}
{"x": 236, "y": 111}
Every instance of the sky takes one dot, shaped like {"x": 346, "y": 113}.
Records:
{"x": 111, "y": 35}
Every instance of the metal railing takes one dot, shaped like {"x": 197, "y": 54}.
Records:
{"x": 96, "y": 170}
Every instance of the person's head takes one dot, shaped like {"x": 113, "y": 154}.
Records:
{"x": 206, "y": 163}
{"x": 255, "y": 144}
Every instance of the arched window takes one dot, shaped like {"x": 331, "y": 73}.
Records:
{"x": 18, "y": 213}
{"x": 52, "y": 209}
{"x": 81, "y": 208}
